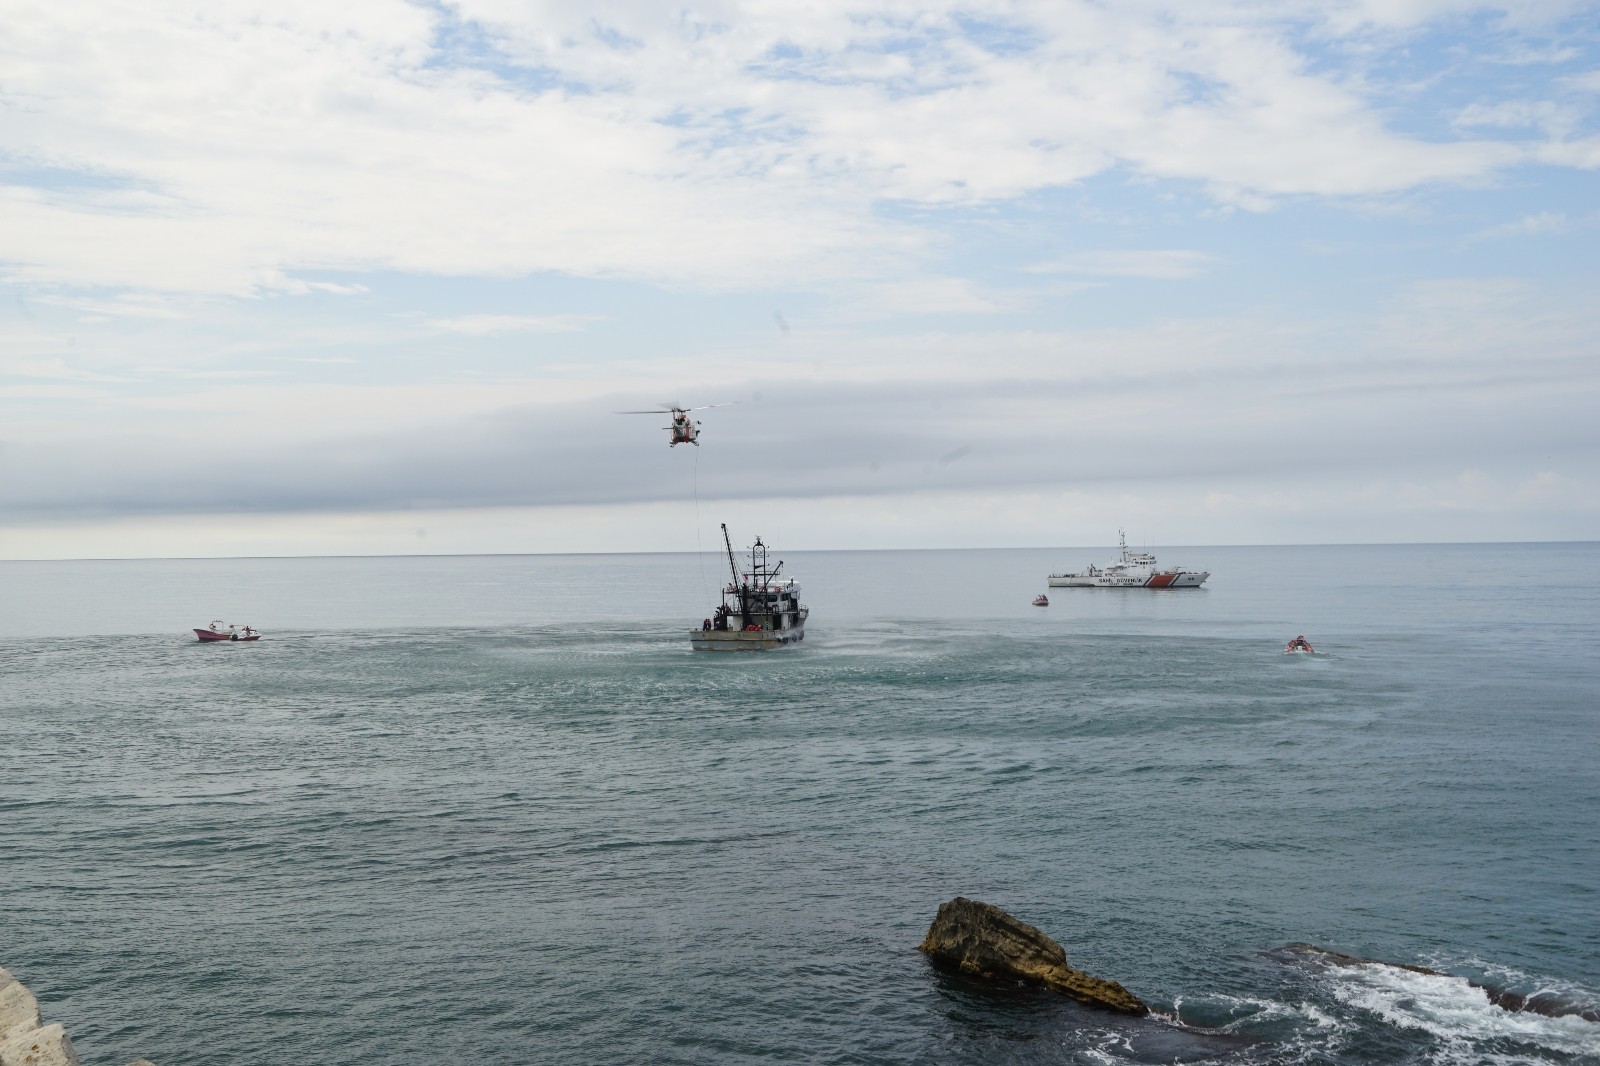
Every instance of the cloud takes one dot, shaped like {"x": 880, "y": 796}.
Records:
{"x": 1553, "y": 119}
{"x": 491, "y": 325}
{"x": 215, "y": 223}
{"x": 930, "y": 296}
{"x": 227, "y": 151}
{"x": 1422, "y": 385}
{"x": 1544, "y": 485}
{"x": 1542, "y": 224}
{"x": 120, "y": 305}
{"x": 1169, "y": 264}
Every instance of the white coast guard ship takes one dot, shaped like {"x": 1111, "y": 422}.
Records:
{"x": 1132, "y": 570}
{"x": 758, "y": 611}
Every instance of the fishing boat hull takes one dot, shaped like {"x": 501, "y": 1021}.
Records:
{"x": 745, "y": 640}
{"x": 208, "y": 635}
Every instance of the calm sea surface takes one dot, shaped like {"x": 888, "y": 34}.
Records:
{"x": 493, "y": 810}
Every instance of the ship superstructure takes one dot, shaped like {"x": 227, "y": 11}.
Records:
{"x": 759, "y": 610}
{"x": 1131, "y": 570}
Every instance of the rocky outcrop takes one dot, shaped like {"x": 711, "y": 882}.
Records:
{"x": 18, "y": 1009}
{"x": 981, "y": 940}
{"x": 1548, "y": 1004}
{"x": 24, "y": 1039}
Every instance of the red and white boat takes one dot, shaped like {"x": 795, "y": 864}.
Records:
{"x": 1041, "y": 600}
{"x": 220, "y": 630}
{"x": 1132, "y": 570}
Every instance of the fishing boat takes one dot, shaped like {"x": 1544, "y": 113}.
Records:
{"x": 759, "y": 611}
{"x": 1041, "y": 600}
{"x": 1299, "y": 646}
{"x": 220, "y": 630}
{"x": 1131, "y": 570}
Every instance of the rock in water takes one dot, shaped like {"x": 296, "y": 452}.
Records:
{"x": 1548, "y": 1004}
{"x": 981, "y": 940}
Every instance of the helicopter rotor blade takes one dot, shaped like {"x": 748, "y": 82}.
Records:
{"x": 672, "y": 408}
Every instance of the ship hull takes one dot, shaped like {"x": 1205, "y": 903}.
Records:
{"x": 742, "y": 640}
{"x": 1179, "y": 579}
{"x": 1130, "y": 570}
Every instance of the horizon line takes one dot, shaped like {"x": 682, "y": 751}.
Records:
{"x": 517, "y": 555}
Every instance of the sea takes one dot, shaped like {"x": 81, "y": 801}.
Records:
{"x": 487, "y": 810}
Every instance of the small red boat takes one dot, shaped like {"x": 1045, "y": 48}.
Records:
{"x": 218, "y": 630}
{"x": 1041, "y": 600}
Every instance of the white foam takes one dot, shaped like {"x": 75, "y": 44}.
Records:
{"x": 1456, "y": 1013}
{"x": 1246, "y": 1012}
{"x": 1111, "y": 1047}
{"x": 1322, "y": 1019}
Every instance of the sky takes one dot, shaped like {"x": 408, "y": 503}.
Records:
{"x": 375, "y": 276}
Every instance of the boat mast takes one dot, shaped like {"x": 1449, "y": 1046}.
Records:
{"x": 733, "y": 567}
{"x": 743, "y": 589}
{"x": 758, "y": 566}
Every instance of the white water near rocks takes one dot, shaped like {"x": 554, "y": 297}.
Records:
{"x": 502, "y": 796}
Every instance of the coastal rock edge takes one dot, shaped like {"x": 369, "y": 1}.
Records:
{"x": 24, "y": 1038}
{"x": 981, "y": 940}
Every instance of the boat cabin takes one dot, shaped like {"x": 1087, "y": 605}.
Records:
{"x": 756, "y": 599}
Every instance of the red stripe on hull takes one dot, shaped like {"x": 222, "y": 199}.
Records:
{"x": 1160, "y": 581}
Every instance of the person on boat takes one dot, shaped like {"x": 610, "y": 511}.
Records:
{"x": 1299, "y": 643}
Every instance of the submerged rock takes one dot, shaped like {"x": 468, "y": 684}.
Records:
{"x": 981, "y": 940}
{"x": 1548, "y": 1004}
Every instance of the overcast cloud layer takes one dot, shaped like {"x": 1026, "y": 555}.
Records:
{"x": 374, "y": 276}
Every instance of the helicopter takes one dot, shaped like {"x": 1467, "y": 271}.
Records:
{"x": 683, "y": 430}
